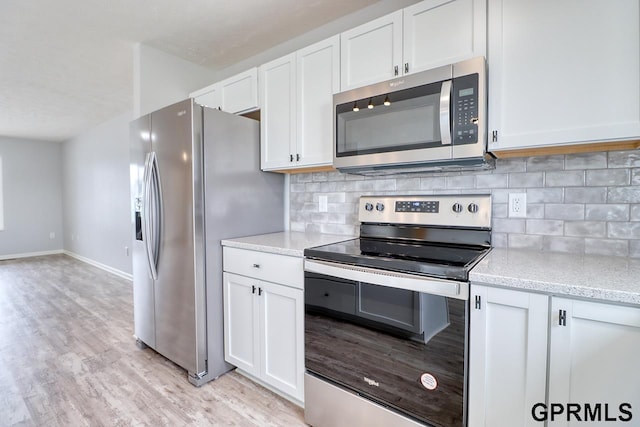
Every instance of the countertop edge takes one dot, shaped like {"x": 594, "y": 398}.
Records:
{"x": 556, "y": 289}
{"x": 595, "y": 277}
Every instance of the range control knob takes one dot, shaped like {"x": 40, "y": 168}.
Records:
{"x": 457, "y": 208}
{"x": 379, "y": 207}
{"x": 368, "y": 207}
{"x": 473, "y": 208}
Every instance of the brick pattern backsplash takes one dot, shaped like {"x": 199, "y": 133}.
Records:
{"x": 579, "y": 203}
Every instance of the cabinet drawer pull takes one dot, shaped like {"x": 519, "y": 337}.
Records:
{"x": 256, "y": 265}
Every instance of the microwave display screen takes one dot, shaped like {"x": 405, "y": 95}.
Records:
{"x": 465, "y": 92}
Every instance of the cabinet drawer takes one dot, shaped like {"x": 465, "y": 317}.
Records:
{"x": 283, "y": 269}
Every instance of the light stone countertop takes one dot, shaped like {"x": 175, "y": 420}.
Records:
{"x": 614, "y": 279}
{"x": 292, "y": 243}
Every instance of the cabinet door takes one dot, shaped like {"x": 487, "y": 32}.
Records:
{"x": 282, "y": 332}
{"x": 593, "y": 359}
{"x": 211, "y": 96}
{"x": 371, "y": 52}
{"x": 508, "y": 356}
{"x": 240, "y": 92}
{"x": 241, "y": 323}
{"x": 563, "y": 72}
{"x": 278, "y": 113}
{"x": 318, "y": 77}
{"x": 441, "y": 32}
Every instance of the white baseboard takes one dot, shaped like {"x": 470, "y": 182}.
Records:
{"x": 100, "y": 265}
{"x": 30, "y": 254}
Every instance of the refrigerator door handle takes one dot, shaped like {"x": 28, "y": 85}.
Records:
{"x": 150, "y": 213}
{"x": 157, "y": 213}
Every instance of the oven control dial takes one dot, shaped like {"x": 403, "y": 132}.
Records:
{"x": 473, "y": 208}
{"x": 379, "y": 207}
{"x": 457, "y": 207}
{"x": 368, "y": 207}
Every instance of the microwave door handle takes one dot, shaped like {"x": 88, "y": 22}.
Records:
{"x": 445, "y": 112}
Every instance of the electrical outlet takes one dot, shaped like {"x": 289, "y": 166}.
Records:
{"x": 126, "y": 250}
{"x": 322, "y": 204}
{"x": 52, "y": 235}
{"x": 517, "y": 205}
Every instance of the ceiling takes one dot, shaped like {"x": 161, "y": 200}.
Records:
{"x": 67, "y": 65}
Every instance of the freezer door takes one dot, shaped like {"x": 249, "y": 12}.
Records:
{"x": 179, "y": 289}
{"x": 143, "y": 289}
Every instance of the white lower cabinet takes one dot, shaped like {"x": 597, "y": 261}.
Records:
{"x": 263, "y": 331}
{"x": 507, "y": 357}
{"x": 593, "y": 350}
{"x": 594, "y": 355}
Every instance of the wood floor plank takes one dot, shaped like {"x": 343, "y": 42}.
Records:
{"x": 68, "y": 358}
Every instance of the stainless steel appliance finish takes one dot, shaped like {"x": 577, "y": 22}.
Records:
{"x": 435, "y": 119}
{"x": 195, "y": 179}
{"x": 386, "y": 315}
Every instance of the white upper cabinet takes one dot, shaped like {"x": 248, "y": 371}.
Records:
{"x": 423, "y": 36}
{"x": 371, "y": 52}
{"x": 237, "y": 94}
{"x": 441, "y": 32}
{"x": 296, "y": 93}
{"x": 318, "y": 78}
{"x": 277, "y": 112}
{"x": 563, "y": 72}
{"x": 240, "y": 92}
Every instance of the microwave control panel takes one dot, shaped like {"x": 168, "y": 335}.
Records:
{"x": 465, "y": 109}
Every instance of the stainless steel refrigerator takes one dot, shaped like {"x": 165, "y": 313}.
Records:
{"x": 195, "y": 179}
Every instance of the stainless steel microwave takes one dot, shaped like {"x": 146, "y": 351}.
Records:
{"x": 434, "y": 119}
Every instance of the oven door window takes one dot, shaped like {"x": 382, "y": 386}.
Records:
{"x": 411, "y": 120}
{"x": 402, "y": 349}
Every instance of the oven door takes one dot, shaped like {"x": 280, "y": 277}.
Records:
{"x": 403, "y": 349}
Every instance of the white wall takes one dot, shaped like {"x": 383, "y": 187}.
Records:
{"x": 32, "y": 187}
{"x": 97, "y": 223}
{"x": 160, "y": 79}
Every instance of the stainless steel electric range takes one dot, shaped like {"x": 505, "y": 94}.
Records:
{"x": 386, "y": 315}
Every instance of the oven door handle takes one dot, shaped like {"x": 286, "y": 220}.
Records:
{"x": 429, "y": 285}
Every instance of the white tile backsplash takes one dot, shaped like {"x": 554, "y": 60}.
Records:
{"x": 577, "y": 203}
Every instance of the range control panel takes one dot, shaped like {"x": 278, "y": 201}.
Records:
{"x": 459, "y": 210}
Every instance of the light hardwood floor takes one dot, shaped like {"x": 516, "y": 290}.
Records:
{"x": 68, "y": 358}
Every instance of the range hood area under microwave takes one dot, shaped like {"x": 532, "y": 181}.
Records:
{"x": 428, "y": 121}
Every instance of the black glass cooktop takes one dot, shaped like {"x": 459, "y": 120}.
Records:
{"x": 429, "y": 259}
